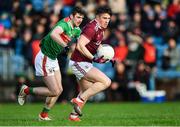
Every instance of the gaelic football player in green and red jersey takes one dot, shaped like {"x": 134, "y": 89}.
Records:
{"x": 46, "y": 63}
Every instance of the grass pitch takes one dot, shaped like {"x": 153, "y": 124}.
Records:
{"x": 95, "y": 114}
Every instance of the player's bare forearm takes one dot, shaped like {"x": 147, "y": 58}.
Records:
{"x": 55, "y": 35}
{"x": 86, "y": 52}
{"x": 81, "y": 47}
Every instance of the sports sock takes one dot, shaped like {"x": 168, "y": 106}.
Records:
{"x": 45, "y": 110}
{"x": 73, "y": 112}
{"x": 28, "y": 90}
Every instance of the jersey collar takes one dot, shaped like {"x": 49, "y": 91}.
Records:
{"x": 98, "y": 24}
{"x": 69, "y": 21}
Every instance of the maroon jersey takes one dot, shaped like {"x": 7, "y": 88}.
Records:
{"x": 94, "y": 33}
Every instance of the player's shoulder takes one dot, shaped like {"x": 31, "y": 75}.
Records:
{"x": 63, "y": 23}
{"x": 64, "y": 20}
{"x": 67, "y": 19}
{"x": 93, "y": 25}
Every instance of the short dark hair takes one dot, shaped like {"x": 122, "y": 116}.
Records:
{"x": 78, "y": 10}
{"x": 103, "y": 9}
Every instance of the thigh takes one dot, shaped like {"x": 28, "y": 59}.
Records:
{"x": 84, "y": 84}
{"x": 80, "y": 69}
{"x": 45, "y": 66}
{"x": 95, "y": 75}
{"x": 51, "y": 82}
{"x": 58, "y": 78}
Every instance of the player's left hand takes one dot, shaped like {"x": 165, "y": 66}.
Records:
{"x": 66, "y": 49}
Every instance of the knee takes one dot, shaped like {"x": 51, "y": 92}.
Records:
{"x": 107, "y": 82}
{"x": 56, "y": 92}
{"x": 60, "y": 90}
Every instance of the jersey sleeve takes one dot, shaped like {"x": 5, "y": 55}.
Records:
{"x": 63, "y": 25}
{"x": 89, "y": 32}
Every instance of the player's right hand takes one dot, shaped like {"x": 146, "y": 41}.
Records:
{"x": 99, "y": 59}
{"x": 113, "y": 62}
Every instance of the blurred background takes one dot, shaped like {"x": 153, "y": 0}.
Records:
{"x": 144, "y": 34}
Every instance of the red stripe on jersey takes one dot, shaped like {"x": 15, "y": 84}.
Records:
{"x": 67, "y": 19}
{"x": 65, "y": 37}
{"x": 43, "y": 65}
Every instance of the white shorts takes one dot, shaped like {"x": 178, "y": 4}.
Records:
{"x": 44, "y": 65}
{"x": 80, "y": 68}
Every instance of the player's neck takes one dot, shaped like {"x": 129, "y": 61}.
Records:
{"x": 98, "y": 23}
{"x": 71, "y": 22}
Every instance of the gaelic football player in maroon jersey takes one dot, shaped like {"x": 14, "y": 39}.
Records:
{"x": 90, "y": 79}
